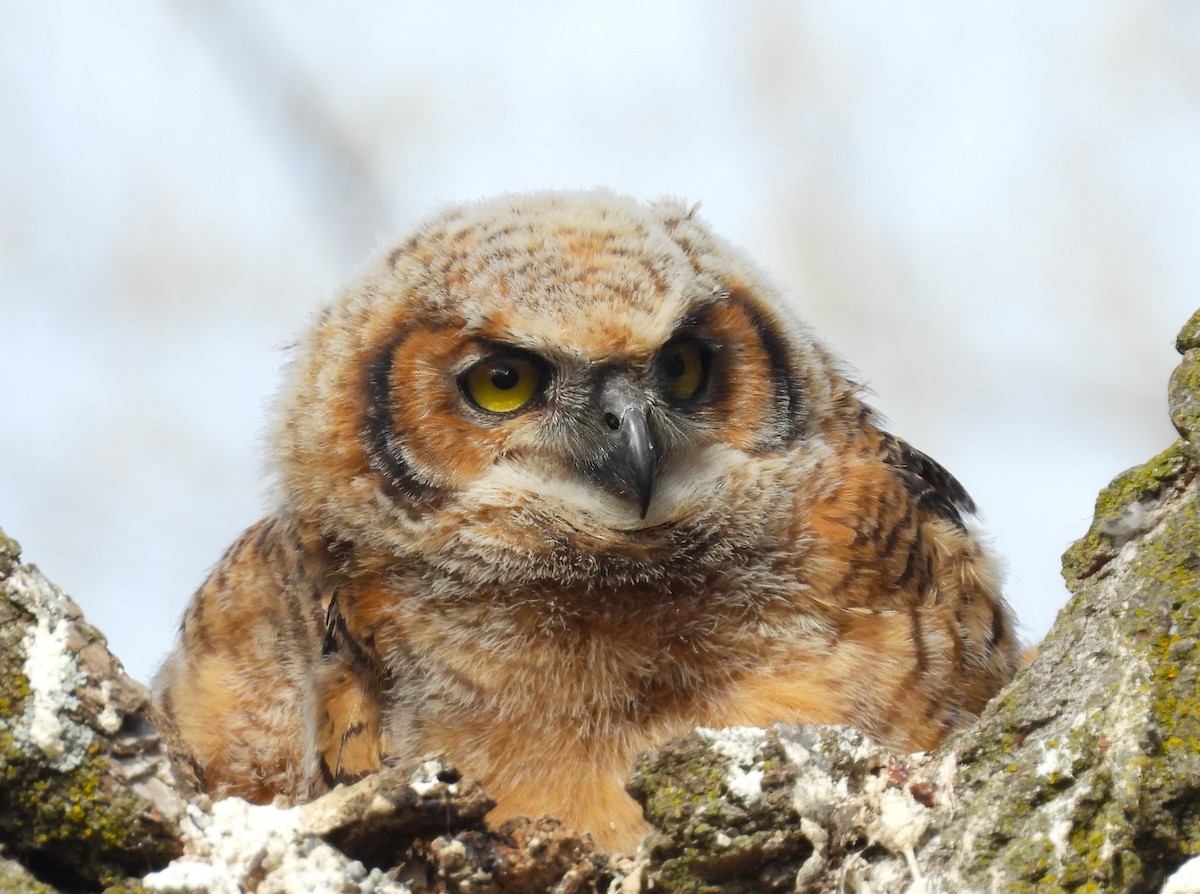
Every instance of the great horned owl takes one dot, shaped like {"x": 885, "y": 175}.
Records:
{"x": 559, "y": 481}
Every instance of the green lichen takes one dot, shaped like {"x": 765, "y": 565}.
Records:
{"x": 1189, "y": 335}
{"x": 1168, "y": 630}
{"x": 10, "y": 554}
{"x": 1183, "y": 396}
{"x": 1127, "y": 833}
{"x": 14, "y": 689}
{"x": 73, "y": 825}
{"x": 1095, "y": 822}
{"x": 14, "y": 685}
{"x": 1140, "y": 484}
{"x": 705, "y": 840}
{"x": 682, "y": 799}
{"x": 673, "y": 793}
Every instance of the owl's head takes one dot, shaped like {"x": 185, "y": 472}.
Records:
{"x": 554, "y": 384}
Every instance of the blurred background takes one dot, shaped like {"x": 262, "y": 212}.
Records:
{"x": 991, "y": 210}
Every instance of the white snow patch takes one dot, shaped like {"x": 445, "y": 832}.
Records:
{"x": 1060, "y": 821}
{"x": 742, "y": 746}
{"x": 899, "y": 827}
{"x": 425, "y": 779}
{"x": 47, "y": 666}
{"x": 816, "y": 792}
{"x": 1052, "y": 763}
{"x": 1185, "y": 879}
{"x": 51, "y": 672}
{"x": 746, "y": 785}
{"x": 242, "y": 846}
{"x": 902, "y": 822}
{"x": 1059, "y": 834}
{"x": 109, "y": 718}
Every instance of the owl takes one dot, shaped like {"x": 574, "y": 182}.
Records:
{"x": 559, "y": 479}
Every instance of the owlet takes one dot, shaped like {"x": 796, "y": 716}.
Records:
{"x": 559, "y": 480}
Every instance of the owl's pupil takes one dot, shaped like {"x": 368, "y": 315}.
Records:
{"x": 505, "y": 378}
{"x": 674, "y": 366}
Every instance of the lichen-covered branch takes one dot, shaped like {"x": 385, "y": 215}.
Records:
{"x": 87, "y": 793}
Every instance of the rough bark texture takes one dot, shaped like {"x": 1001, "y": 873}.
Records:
{"x": 87, "y": 793}
{"x": 1084, "y": 775}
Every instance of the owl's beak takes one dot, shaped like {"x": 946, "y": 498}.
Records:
{"x": 626, "y": 460}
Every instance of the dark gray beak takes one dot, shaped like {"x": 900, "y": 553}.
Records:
{"x": 624, "y": 460}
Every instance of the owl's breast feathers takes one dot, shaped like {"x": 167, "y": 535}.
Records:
{"x": 560, "y": 481}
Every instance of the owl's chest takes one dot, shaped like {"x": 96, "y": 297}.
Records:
{"x": 553, "y": 723}
{"x": 628, "y": 659}
{"x": 549, "y": 704}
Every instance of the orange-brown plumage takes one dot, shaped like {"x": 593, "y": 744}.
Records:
{"x": 559, "y": 481}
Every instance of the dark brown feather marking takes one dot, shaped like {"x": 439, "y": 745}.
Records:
{"x": 338, "y": 641}
{"x": 384, "y": 446}
{"x": 933, "y": 488}
{"x": 999, "y": 627}
{"x": 916, "y": 550}
{"x": 785, "y": 378}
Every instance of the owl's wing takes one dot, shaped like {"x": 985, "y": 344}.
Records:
{"x": 262, "y": 687}
{"x": 348, "y": 701}
{"x": 933, "y": 488}
{"x": 235, "y": 687}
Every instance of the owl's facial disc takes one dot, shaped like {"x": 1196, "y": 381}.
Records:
{"x": 624, "y": 457}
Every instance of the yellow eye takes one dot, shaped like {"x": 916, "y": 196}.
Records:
{"x": 684, "y": 368}
{"x": 502, "y": 384}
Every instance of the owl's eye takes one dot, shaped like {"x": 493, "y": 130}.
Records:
{"x": 683, "y": 366}
{"x": 502, "y": 384}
